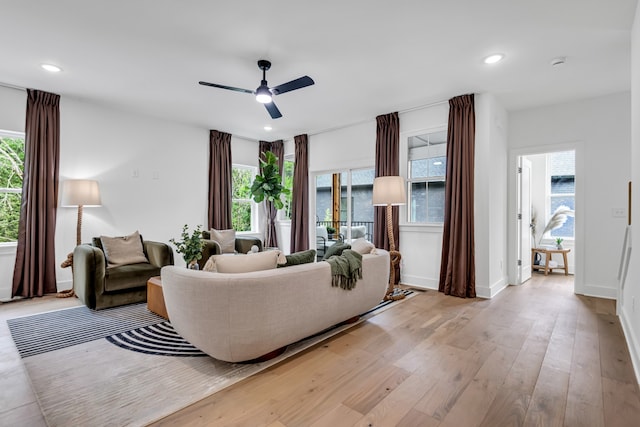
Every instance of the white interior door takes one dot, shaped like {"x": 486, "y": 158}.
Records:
{"x": 524, "y": 220}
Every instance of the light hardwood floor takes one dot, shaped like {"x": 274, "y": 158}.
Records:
{"x": 535, "y": 355}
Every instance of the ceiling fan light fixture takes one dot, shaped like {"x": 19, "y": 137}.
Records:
{"x": 263, "y": 94}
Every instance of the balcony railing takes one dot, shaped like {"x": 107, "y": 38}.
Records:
{"x": 338, "y": 224}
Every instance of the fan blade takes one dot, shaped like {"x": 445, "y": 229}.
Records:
{"x": 237, "y": 89}
{"x": 292, "y": 85}
{"x": 273, "y": 110}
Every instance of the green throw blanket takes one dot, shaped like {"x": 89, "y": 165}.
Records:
{"x": 346, "y": 269}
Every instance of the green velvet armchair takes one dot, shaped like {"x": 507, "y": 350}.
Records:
{"x": 243, "y": 245}
{"x": 99, "y": 286}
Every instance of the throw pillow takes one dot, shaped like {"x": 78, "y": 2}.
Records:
{"x": 243, "y": 263}
{"x": 226, "y": 239}
{"x": 123, "y": 250}
{"x": 297, "y": 258}
{"x": 335, "y": 249}
{"x": 362, "y": 246}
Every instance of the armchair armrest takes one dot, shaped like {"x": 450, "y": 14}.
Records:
{"x": 89, "y": 267}
{"x": 159, "y": 254}
{"x": 211, "y": 247}
{"x": 244, "y": 243}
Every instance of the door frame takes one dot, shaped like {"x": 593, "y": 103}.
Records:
{"x": 512, "y": 241}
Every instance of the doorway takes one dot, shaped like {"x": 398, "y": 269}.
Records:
{"x": 548, "y": 197}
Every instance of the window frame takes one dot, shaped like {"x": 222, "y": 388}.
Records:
{"x": 11, "y": 190}
{"x": 426, "y": 179}
{"x": 254, "y": 206}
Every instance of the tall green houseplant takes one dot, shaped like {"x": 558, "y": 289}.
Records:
{"x": 267, "y": 187}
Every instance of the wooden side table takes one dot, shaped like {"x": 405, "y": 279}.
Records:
{"x": 155, "y": 297}
{"x": 548, "y": 253}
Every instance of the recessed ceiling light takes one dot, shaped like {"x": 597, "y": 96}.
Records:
{"x": 267, "y": 127}
{"x": 492, "y": 59}
{"x": 52, "y": 68}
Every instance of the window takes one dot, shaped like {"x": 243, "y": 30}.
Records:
{"x": 287, "y": 181}
{"x": 427, "y": 170}
{"x": 243, "y": 209}
{"x": 11, "y": 173}
{"x": 561, "y": 173}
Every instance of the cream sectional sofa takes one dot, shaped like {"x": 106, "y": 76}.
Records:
{"x": 242, "y": 316}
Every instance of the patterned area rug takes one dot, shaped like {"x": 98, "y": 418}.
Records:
{"x": 96, "y": 383}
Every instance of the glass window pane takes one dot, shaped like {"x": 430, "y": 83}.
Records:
{"x": 437, "y": 166}
{"x": 287, "y": 178}
{"x": 241, "y": 180}
{"x": 567, "y": 230}
{"x": 563, "y": 184}
{"x": 435, "y": 201}
{"x": 323, "y": 197}
{"x": 419, "y": 168}
{"x": 241, "y": 215}
{"x": 418, "y": 202}
{"x": 9, "y": 216}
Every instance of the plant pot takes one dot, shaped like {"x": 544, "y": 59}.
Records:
{"x": 559, "y": 247}
{"x": 193, "y": 265}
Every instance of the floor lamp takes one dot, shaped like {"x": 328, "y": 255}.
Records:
{"x": 80, "y": 193}
{"x": 389, "y": 191}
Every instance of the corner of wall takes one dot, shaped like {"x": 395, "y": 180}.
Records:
{"x": 632, "y": 343}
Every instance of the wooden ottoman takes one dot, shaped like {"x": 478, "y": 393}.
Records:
{"x": 155, "y": 297}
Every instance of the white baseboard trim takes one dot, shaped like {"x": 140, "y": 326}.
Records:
{"x": 632, "y": 343}
{"x": 64, "y": 284}
{"x": 492, "y": 290}
{"x": 419, "y": 282}
{"x": 599, "y": 291}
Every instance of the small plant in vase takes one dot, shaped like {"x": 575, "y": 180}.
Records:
{"x": 330, "y": 232}
{"x": 559, "y": 241}
{"x": 190, "y": 246}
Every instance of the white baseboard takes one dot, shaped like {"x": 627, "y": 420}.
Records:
{"x": 632, "y": 343}
{"x": 599, "y": 291}
{"x": 492, "y": 290}
{"x": 419, "y": 282}
{"x": 64, "y": 284}
{"x": 481, "y": 291}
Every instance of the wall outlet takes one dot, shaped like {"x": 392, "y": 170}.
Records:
{"x": 618, "y": 212}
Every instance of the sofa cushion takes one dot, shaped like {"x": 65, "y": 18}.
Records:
{"x": 123, "y": 250}
{"x": 335, "y": 249}
{"x": 297, "y": 258}
{"x": 258, "y": 261}
{"x": 226, "y": 239}
{"x": 357, "y": 232}
{"x": 362, "y": 246}
{"x": 130, "y": 276}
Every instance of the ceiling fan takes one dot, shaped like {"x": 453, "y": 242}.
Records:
{"x": 264, "y": 94}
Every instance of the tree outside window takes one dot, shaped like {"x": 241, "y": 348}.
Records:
{"x": 242, "y": 206}
{"x": 562, "y": 189}
{"x": 287, "y": 178}
{"x": 11, "y": 175}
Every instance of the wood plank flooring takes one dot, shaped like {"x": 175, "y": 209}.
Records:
{"x": 535, "y": 355}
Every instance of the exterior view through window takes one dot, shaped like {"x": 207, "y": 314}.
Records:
{"x": 11, "y": 175}
{"x": 562, "y": 171}
{"x": 427, "y": 170}
{"x": 242, "y": 207}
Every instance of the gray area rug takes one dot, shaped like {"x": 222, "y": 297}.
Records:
{"x": 97, "y": 383}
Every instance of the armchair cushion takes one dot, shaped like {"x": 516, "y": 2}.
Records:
{"x": 123, "y": 250}
{"x": 226, "y": 239}
{"x": 357, "y": 232}
{"x": 128, "y": 276}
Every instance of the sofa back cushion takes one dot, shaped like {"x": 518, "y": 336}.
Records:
{"x": 123, "y": 250}
{"x": 258, "y": 261}
{"x": 362, "y": 246}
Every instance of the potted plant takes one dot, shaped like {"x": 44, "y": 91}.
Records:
{"x": 190, "y": 246}
{"x": 330, "y": 231}
{"x": 267, "y": 187}
{"x": 559, "y": 241}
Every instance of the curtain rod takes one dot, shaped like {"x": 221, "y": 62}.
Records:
{"x": 408, "y": 110}
{"x": 10, "y": 86}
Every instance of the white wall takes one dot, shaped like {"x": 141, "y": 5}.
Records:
{"x": 490, "y": 196}
{"x": 598, "y": 129}
{"x": 628, "y": 311}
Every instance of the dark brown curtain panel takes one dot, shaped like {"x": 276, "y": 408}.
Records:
{"x": 220, "y": 167}
{"x": 387, "y": 164}
{"x": 300, "y": 197}
{"x": 457, "y": 267}
{"x": 34, "y": 273}
{"x": 277, "y": 148}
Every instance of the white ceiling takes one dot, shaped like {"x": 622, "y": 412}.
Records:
{"x": 367, "y": 57}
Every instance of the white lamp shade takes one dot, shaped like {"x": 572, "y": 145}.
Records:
{"x": 389, "y": 190}
{"x": 80, "y": 192}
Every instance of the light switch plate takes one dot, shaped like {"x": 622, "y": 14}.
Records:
{"x": 618, "y": 212}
